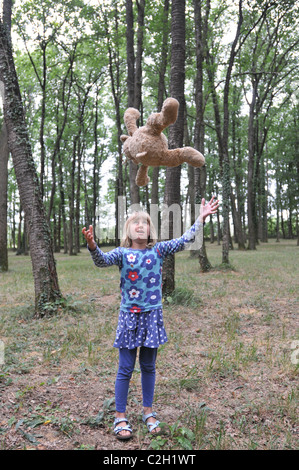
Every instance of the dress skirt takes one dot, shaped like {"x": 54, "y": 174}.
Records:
{"x": 140, "y": 329}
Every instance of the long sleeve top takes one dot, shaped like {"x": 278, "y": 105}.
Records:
{"x": 141, "y": 270}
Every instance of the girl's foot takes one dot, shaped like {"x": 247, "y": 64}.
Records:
{"x": 122, "y": 427}
{"x": 149, "y": 418}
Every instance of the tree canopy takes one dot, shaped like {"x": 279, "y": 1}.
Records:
{"x": 81, "y": 63}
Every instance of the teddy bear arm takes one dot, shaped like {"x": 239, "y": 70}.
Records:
{"x": 142, "y": 178}
{"x": 141, "y": 156}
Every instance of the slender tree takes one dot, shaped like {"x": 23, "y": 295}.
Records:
{"x": 134, "y": 78}
{"x": 162, "y": 67}
{"x": 4, "y": 154}
{"x": 271, "y": 65}
{"x": 222, "y": 125}
{"x": 114, "y": 67}
{"x": 176, "y": 131}
{"x": 199, "y": 133}
{"x": 47, "y": 292}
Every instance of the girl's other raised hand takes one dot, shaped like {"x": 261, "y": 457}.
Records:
{"x": 88, "y": 234}
{"x": 209, "y": 208}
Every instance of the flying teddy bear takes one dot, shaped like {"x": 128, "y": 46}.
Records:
{"x": 148, "y": 146}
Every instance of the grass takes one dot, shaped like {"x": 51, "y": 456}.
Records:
{"x": 226, "y": 379}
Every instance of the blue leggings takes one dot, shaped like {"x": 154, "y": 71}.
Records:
{"x": 127, "y": 359}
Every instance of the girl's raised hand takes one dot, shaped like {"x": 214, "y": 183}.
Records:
{"x": 208, "y": 209}
{"x": 88, "y": 234}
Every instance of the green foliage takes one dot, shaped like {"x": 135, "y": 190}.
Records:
{"x": 184, "y": 296}
{"x": 81, "y": 91}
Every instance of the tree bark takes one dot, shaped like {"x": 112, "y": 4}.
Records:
{"x": 131, "y": 88}
{"x": 250, "y": 173}
{"x": 4, "y": 155}
{"x": 161, "y": 93}
{"x": 200, "y": 173}
{"x": 47, "y": 292}
{"x": 3, "y": 198}
{"x": 223, "y": 131}
{"x": 65, "y": 102}
{"x": 176, "y": 131}
{"x": 114, "y": 61}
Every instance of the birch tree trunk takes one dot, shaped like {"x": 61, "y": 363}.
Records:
{"x": 47, "y": 292}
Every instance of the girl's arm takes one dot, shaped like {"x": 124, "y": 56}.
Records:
{"x": 169, "y": 247}
{"x": 195, "y": 232}
{"x": 101, "y": 259}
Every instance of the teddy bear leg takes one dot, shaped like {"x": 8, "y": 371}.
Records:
{"x": 130, "y": 117}
{"x": 142, "y": 178}
{"x": 186, "y": 154}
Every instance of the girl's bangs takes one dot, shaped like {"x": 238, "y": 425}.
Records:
{"x": 139, "y": 215}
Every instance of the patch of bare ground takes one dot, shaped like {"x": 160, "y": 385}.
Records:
{"x": 226, "y": 379}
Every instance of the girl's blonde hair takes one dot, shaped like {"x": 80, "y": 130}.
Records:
{"x": 127, "y": 241}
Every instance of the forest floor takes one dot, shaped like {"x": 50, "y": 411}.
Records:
{"x": 226, "y": 379}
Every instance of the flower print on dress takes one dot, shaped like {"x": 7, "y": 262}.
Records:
{"x": 148, "y": 261}
{"x": 132, "y": 258}
{"x": 152, "y": 280}
{"x": 133, "y": 275}
{"x": 135, "y": 309}
{"x": 153, "y": 297}
{"x": 134, "y": 293}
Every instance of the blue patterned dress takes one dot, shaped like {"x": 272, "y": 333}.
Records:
{"x": 140, "y": 321}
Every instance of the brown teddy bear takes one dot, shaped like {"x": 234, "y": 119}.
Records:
{"x": 148, "y": 145}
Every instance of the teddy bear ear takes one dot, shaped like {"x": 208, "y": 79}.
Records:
{"x": 123, "y": 138}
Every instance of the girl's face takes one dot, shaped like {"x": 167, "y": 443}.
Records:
{"x": 139, "y": 230}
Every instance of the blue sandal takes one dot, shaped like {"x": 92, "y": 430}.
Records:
{"x": 151, "y": 426}
{"x": 118, "y": 429}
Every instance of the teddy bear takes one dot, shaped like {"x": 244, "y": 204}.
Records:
{"x": 148, "y": 145}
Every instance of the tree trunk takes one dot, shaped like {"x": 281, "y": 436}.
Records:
{"x": 250, "y": 174}
{"x": 72, "y": 200}
{"x": 200, "y": 173}
{"x": 4, "y": 155}
{"x": 161, "y": 93}
{"x": 59, "y": 132}
{"x": 43, "y": 84}
{"x": 114, "y": 61}
{"x": 237, "y": 221}
{"x": 47, "y": 291}
{"x": 62, "y": 204}
{"x": 176, "y": 131}
{"x": 3, "y": 198}
{"x": 226, "y": 186}
{"x": 131, "y": 88}
{"x": 222, "y": 133}
{"x": 236, "y": 199}
{"x": 139, "y": 54}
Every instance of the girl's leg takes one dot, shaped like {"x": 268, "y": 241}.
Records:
{"x": 147, "y": 359}
{"x": 127, "y": 358}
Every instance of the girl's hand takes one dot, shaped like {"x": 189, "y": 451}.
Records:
{"x": 209, "y": 209}
{"x": 88, "y": 234}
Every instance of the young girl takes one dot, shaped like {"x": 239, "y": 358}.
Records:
{"x": 140, "y": 324}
